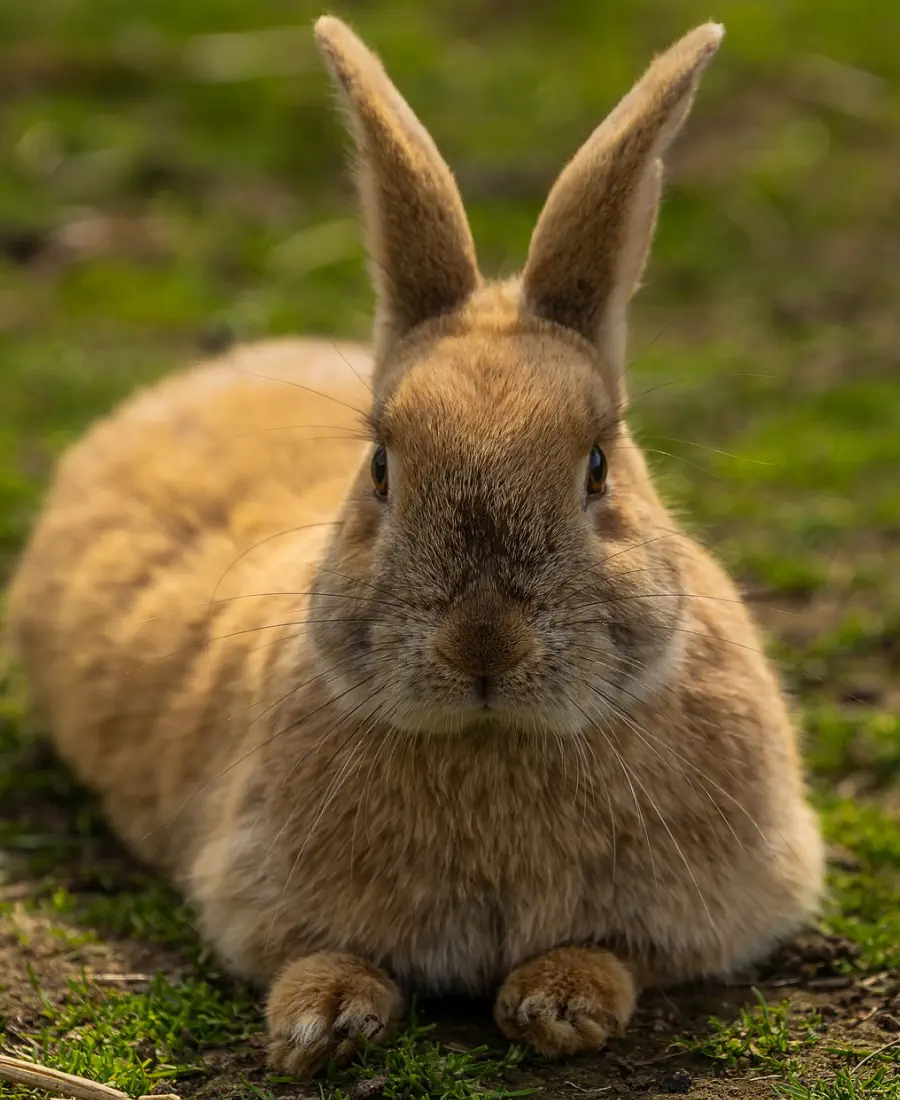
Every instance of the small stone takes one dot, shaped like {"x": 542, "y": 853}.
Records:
{"x": 368, "y": 1088}
{"x": 679, "y": 1080}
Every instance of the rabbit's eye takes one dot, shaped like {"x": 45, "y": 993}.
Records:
{"x": 596, "y": 477}
{"x": 380, "y": 471}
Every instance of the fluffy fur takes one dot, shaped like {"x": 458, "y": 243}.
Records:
{"x": 487, "y": 731}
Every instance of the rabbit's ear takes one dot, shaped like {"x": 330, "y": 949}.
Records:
{"x": 420, "y": 246}
{"x": 591, "y": 241}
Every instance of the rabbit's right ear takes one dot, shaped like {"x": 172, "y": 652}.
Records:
{"x": 420, "y": 246}
{"x": 591, "y": 241}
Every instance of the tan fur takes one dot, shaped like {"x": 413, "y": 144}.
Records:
{"x": 327, "y": 1007}
{"x": 435, "y": 738}
{"x": 565, "y": 1000}
{"x": 423, "y": 257}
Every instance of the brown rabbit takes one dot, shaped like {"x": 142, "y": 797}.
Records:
{"x": 454, "y": 708}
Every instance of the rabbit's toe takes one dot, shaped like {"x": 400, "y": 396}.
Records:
{"x": 570, "y": 999}
{"x": 328, "y": 1007}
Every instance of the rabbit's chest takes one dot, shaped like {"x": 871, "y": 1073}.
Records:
{"x": 467, "y": 888}
{"x": 468, "y": 935}
{"x": 464, "y": 895}
{"x": 451, "y": 877}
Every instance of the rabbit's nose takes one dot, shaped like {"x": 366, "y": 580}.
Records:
{"x": 483, "y": 640}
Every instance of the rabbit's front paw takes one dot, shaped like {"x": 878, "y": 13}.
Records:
{"x": 570, "y": 999}
{"x": 325, "y": 1007}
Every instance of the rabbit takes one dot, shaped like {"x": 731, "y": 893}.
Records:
{"x": 445, "y": 701}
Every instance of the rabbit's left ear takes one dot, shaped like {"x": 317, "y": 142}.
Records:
{"x": 591, "y": 241}
{"x": 420, "y": 246}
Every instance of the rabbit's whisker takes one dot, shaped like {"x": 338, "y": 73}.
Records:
{"x": 584, "y": 749}
{"x": 357, "y": 439}
{"x": 255, "y": 629}
{"x": 322, "y": 738}
{"x": 383, "y": 742}
{"x": 707, "y": 447}
{"x": 363, "y": 380}
{"x": 286, "y": 592}
{"x": 688, "y": 379}
{"x": 644, "y": 735}
{"x": 667, "y": 629}
{"x": 688, "y": 462}
{"x": 653, "y": 805}
{"x": 301, "y": 687}
{"x": 299, "y": 386}
{"x": 333, "y": 789}
{"x": 263, "y": 542}
{"x": 204, "y": 786}
{"x": 628, "y": 778}
{"x": 302, "y": 427}
{"x": 395, "y": 599}
{"x": 672, "y": 595}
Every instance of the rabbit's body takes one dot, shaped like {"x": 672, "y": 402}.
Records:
{"x": 449, "y": 862}
{"x": 457, "y": 730}
{"x": 144, "y": 528}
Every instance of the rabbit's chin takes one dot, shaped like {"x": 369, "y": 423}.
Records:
{"x": 447, "y": 723}
{"x": 583, "y": 710}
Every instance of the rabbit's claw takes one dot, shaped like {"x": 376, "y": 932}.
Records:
{"x": 568, "y": 1000}
{"x": 326, "y": 1008}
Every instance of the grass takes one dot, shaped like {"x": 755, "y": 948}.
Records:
{"x": 416, "y": 1066}
{"x": 173, "y": 179}
{"x": 845, "y": 1085}
{"x": 135, "y": 1040}
{"x": 767, "y": 1035}
{"x": 866, "y": 902}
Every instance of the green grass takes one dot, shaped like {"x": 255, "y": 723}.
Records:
{"x": 416, "y": 1066}
{"x": 134, "y": 1040}
{"x": 857, "y": 739}
{"x": 844, "y": 1085}
{"x": 866, "y": 902}
{"x": 173, "y": 177}
{"x": 766, "y": 1036}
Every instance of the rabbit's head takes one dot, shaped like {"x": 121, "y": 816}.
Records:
{"x": 502, "y": 556}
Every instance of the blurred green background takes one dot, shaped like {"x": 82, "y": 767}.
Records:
{"x": 172, "y": 178}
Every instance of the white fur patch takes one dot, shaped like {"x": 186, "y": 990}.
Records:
{"x": 309, "y": 1031}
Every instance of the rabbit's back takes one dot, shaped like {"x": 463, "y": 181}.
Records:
{"x": 153, "y": 514}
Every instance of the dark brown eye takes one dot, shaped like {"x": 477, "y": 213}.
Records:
{"x": 380, "y": 471}
{"x": 596, "y": 477}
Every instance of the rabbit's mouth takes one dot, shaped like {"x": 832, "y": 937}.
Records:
{"x": 539, "y": 695}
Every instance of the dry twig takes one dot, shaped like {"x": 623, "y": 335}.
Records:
{"x": 57, "y": 1083}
